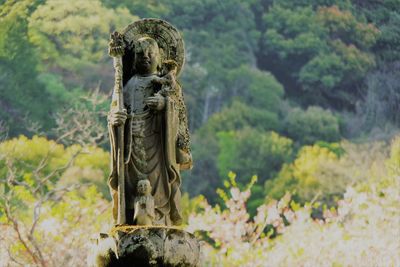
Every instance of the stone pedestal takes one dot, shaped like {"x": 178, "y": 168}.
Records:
{"x": 145, "y": 246}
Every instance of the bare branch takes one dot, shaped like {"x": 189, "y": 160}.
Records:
{"x": 32, "y": 126}
{"x": 26, "y": 238}
{"x": 17, "y": 230}
{"x": 56, "y": 171}
{"x": 13, "y": 259}
{"x": 83, "y": 124}
{"x": 42, "y": 164}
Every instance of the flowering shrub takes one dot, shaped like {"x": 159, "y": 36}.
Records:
{"x": 363, "y": 231}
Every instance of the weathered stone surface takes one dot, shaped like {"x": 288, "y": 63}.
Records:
{"x": 148, "y": 127}
{"x": 145, "y": 246}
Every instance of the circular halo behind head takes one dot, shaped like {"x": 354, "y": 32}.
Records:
{"x": 167, "y": 37}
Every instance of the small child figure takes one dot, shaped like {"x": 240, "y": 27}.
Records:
{"x": 168, "y": 77}
{"x": 144, "y": 204}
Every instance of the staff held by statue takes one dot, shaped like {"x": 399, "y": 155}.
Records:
{"x": 116, "y": 51}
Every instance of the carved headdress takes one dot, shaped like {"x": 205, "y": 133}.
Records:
{"x": 167, "y": 37}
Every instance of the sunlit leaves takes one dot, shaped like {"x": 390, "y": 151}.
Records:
{"x": 361, "y": 229}
{"x": 74, "y": 35}
{"x": 343, "y": 25}
{"x": 33, "y": 159}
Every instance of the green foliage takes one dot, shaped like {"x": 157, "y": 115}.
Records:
{"x": 389, "y": 41}
{"x": 58, "y": 93}
{"x": 342, "y": 4}
{"x": 203, "y": 179}
{"x": 74, "y": 35}
{"x": 324, "y": 70}
{"x": 224, "y": 31}
{"x": 239, "y": 115}
{"x": 143, "y": 9}
{"x": 20, "y": 88}
{"x": 220, "y": 37}
{"x": 342, "y": 24}
{"x": 249, "y": 152}
{"x": 386, "y": 16}
{"x": 305, "y": 176}
{"x": 195, "y": 84}
{"x": 65, "y": 165}
{"x": 305, "y": 170}
{"x": 312, "y": 125}
{"x": 234, "y": 117}
{"x": 322, "y": 50}
{"x": 46, "y": 191}
{"x": 333, "y": 147}
{"x": 190, "y": 206}
{"x": 323, "y": 172}
{"x": 256, "y": 88}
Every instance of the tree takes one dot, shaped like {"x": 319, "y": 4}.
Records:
{"x": 322, "y": 52}
{"x": 219, "y": 37}
{"x": 258, "y": 89}
{"x": 71, "y": 38}
{"x": 205, "y": 177}
{"x": 249, "y": 152}
{"x": 19, "y": 70}
{"x": 312, "y": 125}
{"x": 323, "y": 171}
{"x": 143, "y": 9}
{"x": 386, "y": 16}
{"x": 44, "y": 194}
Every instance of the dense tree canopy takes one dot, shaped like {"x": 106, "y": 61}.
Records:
{"x": 257, "y": 73}
{"x": 20, "y": 88}
{"x": 323, "y": 52}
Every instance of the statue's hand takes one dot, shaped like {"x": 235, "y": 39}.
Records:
{"x": 156, "y": 102}
{"x": 117, "y": 118}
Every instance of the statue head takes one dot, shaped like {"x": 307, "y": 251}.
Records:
{"x": 169, "y": 66}
{"x": 144, "y": 187}
{"x": 147, "y": 56}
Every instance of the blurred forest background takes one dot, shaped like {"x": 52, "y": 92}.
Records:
{"x": 294, "y": 108}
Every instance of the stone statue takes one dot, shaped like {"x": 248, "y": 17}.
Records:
{"x": 149, "y": 147}
{"x": 144, "y": 204}
{"x": 148, "y": 124}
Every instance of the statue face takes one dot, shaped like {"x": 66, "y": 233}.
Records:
{"x": 144, "y": 187}
{"x": 147, "y": 56}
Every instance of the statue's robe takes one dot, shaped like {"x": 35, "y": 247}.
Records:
{"x": 153, "y": 152}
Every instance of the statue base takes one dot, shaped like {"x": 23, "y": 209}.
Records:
{"x": 145, "y": 246}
